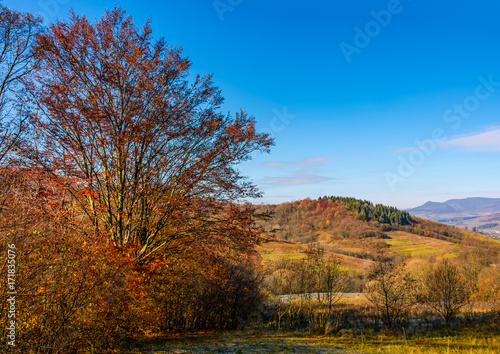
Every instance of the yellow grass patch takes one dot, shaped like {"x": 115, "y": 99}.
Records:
{"x": 280, "y": 250}
{"x": 415, "y": 245}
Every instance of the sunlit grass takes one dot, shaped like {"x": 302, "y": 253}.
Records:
{"x": 416, "y": 250}
{"x": 396, "y": 242}
{"x": 479, "y": 339}
{"x": 354, "y": 300}
{"x": 280, "y": 256}
{"x": 473, "y": 340}
{"x": 413, "y": 245}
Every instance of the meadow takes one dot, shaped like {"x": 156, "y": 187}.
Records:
{"x": 413, "y": 245}
{"x": 481, "y": 339}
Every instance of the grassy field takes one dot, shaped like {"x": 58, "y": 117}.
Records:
{"x": 400, "y": 242}
{"x": 282, "y": 250}
{"x": 414, "y": 245}
{"x": 479, "y": 339}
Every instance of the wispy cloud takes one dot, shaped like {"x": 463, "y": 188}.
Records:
{"x": 301, "y": 172}
{"x": 488, "y": 141}
{"x": 302, "y": 164}
{"x": 276, "y": 164}
{"x": 296, "y": 180}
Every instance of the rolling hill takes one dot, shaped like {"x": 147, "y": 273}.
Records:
{"x": 357, "y": 231}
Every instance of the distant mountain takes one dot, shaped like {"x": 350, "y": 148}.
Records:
{"x": 482, "y": 214}
{"x": 459, "y": 207}
{"x": 432, "y": 208}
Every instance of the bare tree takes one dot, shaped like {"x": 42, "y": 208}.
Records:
{"x": 446, "y": 289}
{"x": 316, "y": 282}
{"x": 391, "y": 291}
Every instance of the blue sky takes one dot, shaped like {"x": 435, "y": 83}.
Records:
{"x": 393, "y": 101}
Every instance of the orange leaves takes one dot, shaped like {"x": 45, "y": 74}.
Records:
{"x": 138, "y": 163}
{"x": 85, "y": 192}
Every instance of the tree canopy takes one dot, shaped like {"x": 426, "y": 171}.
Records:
{"x": 368, "y": 211}
{"x": 139, "y": 146}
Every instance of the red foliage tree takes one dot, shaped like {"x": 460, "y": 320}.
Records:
{"x": 140, "y": 147}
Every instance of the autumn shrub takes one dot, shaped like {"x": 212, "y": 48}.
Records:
{"x": 209, "y": 292}
{"x": 489, "y": 286}
{"x": 74, "y": 292}
{"x": 71, "y": 296}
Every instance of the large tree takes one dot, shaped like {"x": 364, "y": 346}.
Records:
{"x": 139, "y": 145}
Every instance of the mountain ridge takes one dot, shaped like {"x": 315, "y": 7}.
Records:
{"x": 475, "y": 213}
{"x": 480, "y": 205}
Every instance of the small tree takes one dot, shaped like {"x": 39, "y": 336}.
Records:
{"x": 473, "y": 260}
{"x": 446, "y": 289}
{"x": 392, "y": 291}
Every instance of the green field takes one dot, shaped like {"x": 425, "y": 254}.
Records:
{"x": 414, "y": 245}
{"x": 396, "y": 242}
{"x": 416, "y": 250}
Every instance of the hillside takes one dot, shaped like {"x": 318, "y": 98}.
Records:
{"x": 356, "y": 235}
{"x": 340, "y": 218}
{"x": 357, "y": 231}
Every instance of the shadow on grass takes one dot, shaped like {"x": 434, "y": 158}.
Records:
{"x": 474, "y": 339}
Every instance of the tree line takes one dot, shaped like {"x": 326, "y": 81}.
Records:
{"x": 367, "y": 211}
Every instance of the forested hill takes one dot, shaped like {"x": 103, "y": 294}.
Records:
{"x": 367, "y": 211}
{"x": 347, "y": 218}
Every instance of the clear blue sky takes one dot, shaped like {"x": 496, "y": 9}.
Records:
{"x": 347, "y": 87}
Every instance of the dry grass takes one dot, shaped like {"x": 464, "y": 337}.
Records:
{"x": 244, "y": 342}
{"x": 483, "y": 339}
{"x": 280, "y": 250}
